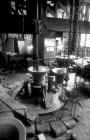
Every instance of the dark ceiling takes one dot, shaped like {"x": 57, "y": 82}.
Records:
{"x": 20, "y": 23}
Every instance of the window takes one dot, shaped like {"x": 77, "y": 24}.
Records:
{"x": 85, "y": 40}
{"x": 50, "y": 44}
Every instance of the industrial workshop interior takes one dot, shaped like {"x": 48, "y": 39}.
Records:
{"x": 45, "y": 70}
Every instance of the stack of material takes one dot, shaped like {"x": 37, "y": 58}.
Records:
{"x": 43, "y": 128}
{"x": 56, "y": 128}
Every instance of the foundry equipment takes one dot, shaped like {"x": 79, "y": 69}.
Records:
{"x": 42, "y": 83}
{"x": 40, "y": 91}
{"x": 38, "y": 85}
{"x": 45, "y": 87}
{"x": 43, "y": 92}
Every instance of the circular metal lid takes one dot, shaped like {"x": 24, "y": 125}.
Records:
{"x": 41, "y": 70}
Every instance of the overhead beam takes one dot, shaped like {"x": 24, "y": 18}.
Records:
{"x": 87, "y": 1}
{"x": 18, "y": 24}
{"x": 62, "y": 25}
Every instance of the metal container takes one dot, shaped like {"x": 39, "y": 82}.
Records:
{"x": 51, "y": 79}
{"x": 38, "y": 75}
{"x": 11, "y": 129}
{"x": 59, "y": 74}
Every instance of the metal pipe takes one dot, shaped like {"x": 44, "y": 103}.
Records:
{"x": 37, "y": 11}
{"x": 36, "y": 39}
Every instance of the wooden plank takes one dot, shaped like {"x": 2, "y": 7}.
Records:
{"x": 10, "y": 102}
{"x": 5, "y": 114}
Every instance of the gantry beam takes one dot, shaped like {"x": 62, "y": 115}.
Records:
{"x": 18, "y": 24}
{"x": 62, "y": 25}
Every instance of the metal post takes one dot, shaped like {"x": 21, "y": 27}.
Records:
{"x": 36, "y": 39}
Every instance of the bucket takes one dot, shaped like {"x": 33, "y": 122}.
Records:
{"x": 11, "y": 129}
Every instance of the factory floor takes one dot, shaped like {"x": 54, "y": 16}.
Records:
{"x": 82, "y": 130}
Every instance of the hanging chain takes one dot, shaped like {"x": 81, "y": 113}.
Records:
{"x": 74, "y": 25}
{"x": 74, "y": 16}
{"x": 74, "y": 46}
